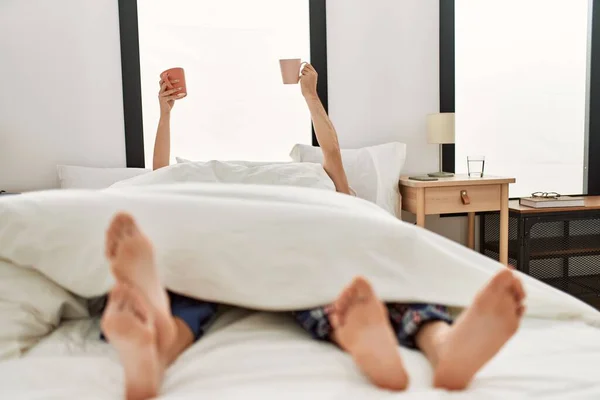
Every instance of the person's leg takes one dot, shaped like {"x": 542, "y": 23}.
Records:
{"x": 184, "y": 338}
{"x": 315, "y": 321}
{"x": 127, "y": 323}
{"x": 358, "y": 323}
{"x": 458, "y": 352}
{"x": 192, "y": 318}
{"x": 131, "y": 256}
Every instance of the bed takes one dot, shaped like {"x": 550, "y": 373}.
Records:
{"x": 52, "y": 264}
{"x": 265, "y": 355}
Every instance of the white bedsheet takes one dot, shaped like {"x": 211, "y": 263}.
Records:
{"x": 255, "y": 355}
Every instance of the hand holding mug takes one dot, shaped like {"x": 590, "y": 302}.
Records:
{"x": 167, "y": 97}
{"x": 308, "y": 81}
{"x": 172, "y": 87}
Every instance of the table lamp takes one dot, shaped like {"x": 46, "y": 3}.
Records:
{"x": 440, "y": 130}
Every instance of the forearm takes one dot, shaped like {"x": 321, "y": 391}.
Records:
{"x": 324, "y": 129}
{"x": 328, "y": 141}
{"x": 162, "y": 143}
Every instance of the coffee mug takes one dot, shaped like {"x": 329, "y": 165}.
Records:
{"x": 175, "y": 74}
{"x": 290, "y": 70}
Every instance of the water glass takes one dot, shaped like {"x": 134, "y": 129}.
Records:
{"x": 476, "y": 165}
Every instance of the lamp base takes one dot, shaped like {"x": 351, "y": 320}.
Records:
{"x": 441, "y": 174}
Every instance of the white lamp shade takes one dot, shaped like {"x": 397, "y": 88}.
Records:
{"x": 440, "y": 128}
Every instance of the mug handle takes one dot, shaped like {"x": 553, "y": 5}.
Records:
{"x": 302, "y": 65}
{"x": 300, "y": 72}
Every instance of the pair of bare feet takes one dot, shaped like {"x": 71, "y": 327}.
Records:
{"x": 138, "y": 322}
{"x": 361, "y": 327}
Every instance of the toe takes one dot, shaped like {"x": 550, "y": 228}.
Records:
{"x": 110, "y": 247}
{"x": 518, "y": 290}
{"x": 363, "y": 288}
{"x": 351, "y": 291}
{"x": 502, "y": 280}
{"x": 339, "y": 308}
{"x": 121, "y": 225}
{"x": 114, "y": 234}
{"x": 344, "y": 300}
{"x": 116, "y": 226}
{"x": 128, "y": 226}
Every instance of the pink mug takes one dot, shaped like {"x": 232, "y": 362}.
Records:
{"x": 290, "y": 70}
{"x": 174, "y": 74}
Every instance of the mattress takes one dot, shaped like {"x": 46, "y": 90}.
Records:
{"x": 257, "y": 355}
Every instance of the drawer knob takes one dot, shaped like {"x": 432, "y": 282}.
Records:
{"x": 464, "y": 196}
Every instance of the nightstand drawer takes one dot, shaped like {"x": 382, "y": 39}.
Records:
{"x": 449, "y": 200}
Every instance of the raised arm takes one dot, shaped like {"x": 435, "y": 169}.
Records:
{"x": 162, "y": 143}
{"x": 324, "y": 130}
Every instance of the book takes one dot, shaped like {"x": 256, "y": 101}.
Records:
{"x": 557, "y": 202}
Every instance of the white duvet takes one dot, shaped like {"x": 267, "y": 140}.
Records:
{"x": 261, "y": 247}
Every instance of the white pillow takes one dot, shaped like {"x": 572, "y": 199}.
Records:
{"x": 72, "y": 177}
{"x": 237, "y": 162}
{"x": 308, "y": 175}
{"x": 373, "y": 172}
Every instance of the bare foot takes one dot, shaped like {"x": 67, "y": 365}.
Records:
{"x": 362, "y": 328}
{"x": 128, "y": 325}
{"x": 480, "y": 332}
{"x": 132, "y": 261}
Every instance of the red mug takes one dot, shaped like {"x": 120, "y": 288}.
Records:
{"x": 175, "y": 74}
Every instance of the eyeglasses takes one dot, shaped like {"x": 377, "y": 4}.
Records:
{"x": 545, "y": 195}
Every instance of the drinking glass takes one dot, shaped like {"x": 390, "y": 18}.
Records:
{"x": 476, "y": 166}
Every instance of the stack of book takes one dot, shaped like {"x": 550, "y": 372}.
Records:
{"x": 554, "y": 202}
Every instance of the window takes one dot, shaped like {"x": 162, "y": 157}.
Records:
{"x": 521, "y": 91}
{"x": 237, "y": 106}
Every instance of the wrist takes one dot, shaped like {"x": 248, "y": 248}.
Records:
{"x": 311, "y": 96}
{"x": 165, "y": 115}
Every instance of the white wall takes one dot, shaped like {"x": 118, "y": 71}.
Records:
{"x": 61, "y": 96}
{"x": 384, "y": 79}
{"x": 63, "y": 58}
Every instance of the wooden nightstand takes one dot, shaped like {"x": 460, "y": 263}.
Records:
{"x": 457, "y": 195}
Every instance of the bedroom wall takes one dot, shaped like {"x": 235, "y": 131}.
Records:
{"x": 63, "y": 60}
{"x": 384, "y": 79}
{"x": 61, "y": 89}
